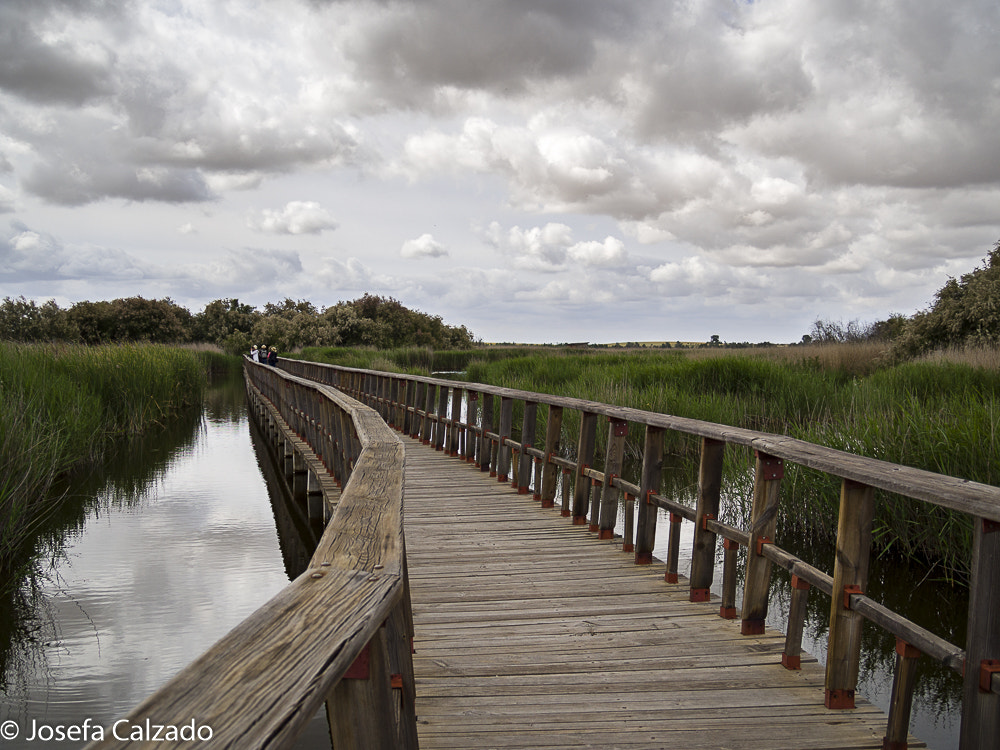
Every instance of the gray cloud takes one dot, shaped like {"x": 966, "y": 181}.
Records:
{"x": 53, "y": 68}
{"x": 841, "y": 152}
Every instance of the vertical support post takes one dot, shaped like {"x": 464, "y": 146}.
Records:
{"x": 652, "y": 471}
{"x": 850, "y": 575}
{"x": 566, "y": 509}
{"x": 427, "y": 426}
{"x": 402, "y": 414}
{"x": 506, "y": 426}
{"x": 791, "y": 657}
{"x": 442, "y": 415}
{"x": 485, "y": 449}
{"x": 359, "y": 704}
{"x": 628, "y": 535}
{"x": 528, "y": 427}
{"x": 553, "y": 431}
{"x": 456, "y": 420}
{"x": 595, "y": 505}
{"x": 409, "y": 399}
{"x": 768, "y": 472}
{"x": 981, "y": 708}
{"x": 709, "y": 492}
{"x": 613, "y": 459}
{"x": 415, "y": 400}
{"x": 904, "y": 678}
{"x": 727, "y": 610}
{"x": 584, "y": 458}
{"x": 472, "y": 418}
{"x": 673, "y": 548}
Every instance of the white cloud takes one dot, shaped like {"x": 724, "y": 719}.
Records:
{"x": 297, "y": 217}
{"x": 609, "y": 253}
{"x": 424, "y": 246}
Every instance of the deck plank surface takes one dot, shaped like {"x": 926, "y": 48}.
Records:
{"x": 531, "y": 633}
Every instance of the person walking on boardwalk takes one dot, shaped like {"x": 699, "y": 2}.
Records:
{"x": 272, "y": 357}
{"x": 254, "y": 354}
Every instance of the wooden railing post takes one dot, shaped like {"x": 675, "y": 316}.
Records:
{"x": 585, "y": 447}
{"x": 506, "y": 426}
{"x": 730, "y": 550}
{"x": 550, "y": 472}
{"x": 485, "y": 445}
{"x": 528, "y": 427}
{"x": 652, "y": 470}
{"x": 900, "y": 705}
{"x": 454, "y": 434}
{"x": 417, "y": 400}
{"x": 361, "y": 704}
{"x": 709, "y": 493}
{"x": 791, "y": 657}
{"x": 409, "y": 402}
{"x": 768, "y": 472}
{"x": 614, "y": 457}
{"x": 471, "y": 418}
{"x": 981, "y": 703}
{"x": 442, "y": 416}
{"x": 850, "y": 575}
{"x": 427, "y": 424}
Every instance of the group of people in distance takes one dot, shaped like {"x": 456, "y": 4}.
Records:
{"x": 264, "y": 356}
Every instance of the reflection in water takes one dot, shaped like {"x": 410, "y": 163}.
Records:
{"x": 177, "y": 547}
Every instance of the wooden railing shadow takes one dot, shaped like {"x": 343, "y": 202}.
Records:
{"x": 474, "y": 422}
{"x": 340, "y": 633}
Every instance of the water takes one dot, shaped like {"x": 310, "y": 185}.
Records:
{"x": 162, "y": 562}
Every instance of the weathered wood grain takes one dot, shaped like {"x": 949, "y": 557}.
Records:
{"x": 533, "y": 633}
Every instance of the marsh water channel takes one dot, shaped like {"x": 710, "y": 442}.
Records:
{"x": 188, "y": 531}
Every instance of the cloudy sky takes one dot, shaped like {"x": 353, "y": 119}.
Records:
{"x": 549, "y": 171}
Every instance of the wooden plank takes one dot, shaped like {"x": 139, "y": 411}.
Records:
{"x": 532, "y": 633}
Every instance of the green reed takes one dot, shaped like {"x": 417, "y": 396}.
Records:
{"x": 62, "y": 406}
{"x": 939, "y": 413}
{"x": 935, "y": 415}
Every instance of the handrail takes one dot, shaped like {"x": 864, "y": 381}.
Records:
{"x": 429, "y": 409}
{"x": 340, "y": 632}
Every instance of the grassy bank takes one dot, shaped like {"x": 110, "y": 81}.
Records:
{"x": 939, "y": 413}
{"x": 62, "y": 406}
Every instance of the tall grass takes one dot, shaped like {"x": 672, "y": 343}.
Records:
{"x": 938, "y": 413}
{"x": 61, "y": 406}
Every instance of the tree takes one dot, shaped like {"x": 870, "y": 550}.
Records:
{"x": 221, "y": 319}
{"x": 23, "y": 320}
{"x": 965, "y": 311}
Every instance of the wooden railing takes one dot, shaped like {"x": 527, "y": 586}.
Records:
{"x": 431, "y": 409}
{"x": 340, "y": 633}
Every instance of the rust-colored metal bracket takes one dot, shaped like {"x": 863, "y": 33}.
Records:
{"x": 361, "y": 668}
{"x": 800, "y": 583}
{"x": 705, "y": 519}
{"x": 839, "y": 699}
{"x": 759, "y": 545}
{"x": 772, "y": 467}
{"x": 987, "y": 668}
{"x": 848, "y": 590}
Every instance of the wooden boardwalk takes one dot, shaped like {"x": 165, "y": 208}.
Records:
{"x": 530, "y": 633}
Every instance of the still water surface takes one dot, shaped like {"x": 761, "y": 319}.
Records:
{"x": 151, "y": 577}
